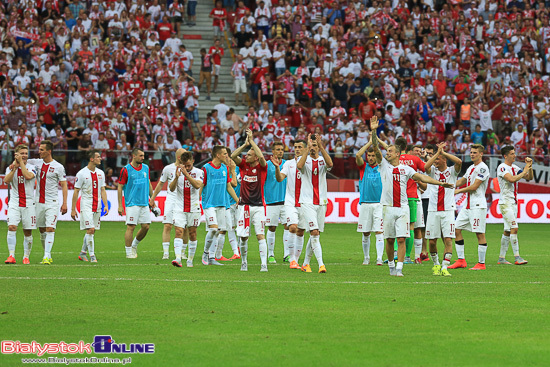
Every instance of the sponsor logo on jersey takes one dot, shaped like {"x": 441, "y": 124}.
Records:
{"x": 250, "y": 178}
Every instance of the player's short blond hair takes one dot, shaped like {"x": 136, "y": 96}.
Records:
{"x": 21, "y": 147}
{"x": 480, "y": 148}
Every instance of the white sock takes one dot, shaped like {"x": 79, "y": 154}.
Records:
{"x": 128, "y": 250}
{"x": 504, "y": 243}
{"x": 515, "y": 244}
{"x": 263, "y": 251}
{"x": 233, "y": 241}
{"x": 48, "y": 243}
{"x": 12, "y": 241}
{"x": 85, "y": 245}
{"x": 298, "y": 247}
{"x": 459, "y": 250}
{"x": 209, "y": 239}
{"x": 291, "y": 243}
{"x": 481, "y": 251}
{"x": 178, "y": 243}
{"x": 366, "y": 246}
{"x": 244, "y": 251}
{"x": 447, "y": 260}
{"x": 286, "y": 252}
{"x": 399, "y": 266}
{"x": 27, "y": 246}
{"x": 91, "y": 244}
{"x": 43, "y": 239}
{"x": 221, "y": 241}
{"x": 135, "y": 243}
{"x": 183, "y": 248}
{"x": 317, "y": 250}
{"x": 166, "y": 247}
{"x": 192, "y": 249}
{"x": 417, "y": 247}
{"x": 270, "y": 242}
{"x": 391, "y": 264}
{"x": 309, "y": 252}
{"x": 435, "y": 258}
{"x": 379, "y": 246}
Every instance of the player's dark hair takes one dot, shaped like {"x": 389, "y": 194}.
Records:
{"x": 370, "y": 150}
{"x": 186, "y": 157}
{"x": 136, "y": 150}
{"x": 401, "y": 144}
{"x": 91, "y": 153}
{"x": 300, "y": 141}
{"x": 277, "y": 143}
{"x": 430, "y": 146}
{"x": 217, "y": 150}
{"x": 48, "y": 145}
{"x": 506, "y": 150}
{"x": 409, "y": 148}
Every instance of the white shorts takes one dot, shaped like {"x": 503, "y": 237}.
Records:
{"x": 397, "y": 222}
{"x": 441, "y": 224}
{"x": 25, "y": 216}
{"x": 294, "y": 216}
{"x": 240, "y": 86}
{"x": 371, "y": 218}
{"x": 509, "y": 215}
{"x": 419, "y": 215}
{"x": 183, "y": 220}
{"x": 138, "y": 215}
{"x": 314, "y": 216}
{"x": 233, "y": 210}
{"x": 89, "y": 219}
{"x": 217, "y": 69}
{"x": 273, "y": 214}
{"x": 216, "y": 217}
{"x": 168, "y": 212}
{"x": 472, "y": 220}
{"x": 47, "y": 215}
{"x": 248, "y": 216}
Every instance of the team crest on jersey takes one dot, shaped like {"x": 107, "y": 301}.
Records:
{"x": 223, "y": 173}
{"x": 254, "y": 171}
{"x": 144, "y": 174}
{"x": 241, "y": 223}
{"x": 51, "y": 170}
{"x": 446, "y": 174}
{"x": 402, "y": 171}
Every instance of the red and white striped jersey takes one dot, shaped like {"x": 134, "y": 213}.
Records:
{"x": 314, "y": 181}
{"x": 477, "y": 199}
{"x": 22, "y": 190}
{"x": 187, "y": 197}
{"x": 90, "y": 184}
{"x": 48, "y": 177}
{"x": 442, "y": 199}
{"x": 394, "y": 184}
{"x": 508, "y": 190}
{"x": 293, "y": 183}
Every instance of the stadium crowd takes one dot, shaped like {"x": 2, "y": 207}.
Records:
{"x": 114, "y": 75}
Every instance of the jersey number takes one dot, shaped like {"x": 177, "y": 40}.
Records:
{"x": 397, "y": 177}
{"x": 315, "y": 171}
{"x": 95, "y": 184}
{"x": 476, "y": 222}
{"x": 21, "y": 179}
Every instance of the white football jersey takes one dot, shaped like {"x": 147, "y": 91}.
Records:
{"x": 48, "y": 177}
{"x": 314, "y": 182}
{"x": 442, "y": 199}
{"x": 186, "y": 196}
{"x": 168, "y": 174}
{"x": 394, "y": 184}
{"x": 90, "y": 184}
{"x": 293, "y": 183}
{"x": 477, "y": 199}
{"x": 508, "y": 190}
{"x": 22, "y": 190}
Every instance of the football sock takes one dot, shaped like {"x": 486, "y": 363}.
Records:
{"x": 183, "y": 248}
{"x": 209, "y": 238}
{"x": 166, "y": 247}
{"x": 178, "y": 243}
{"x": 49, "y": 244}
{"x": 447, "y": 260}
{"x": 298, "y": 246}
{"x": 317, "y": 250}
{"x": 85, "y": 245}
{"x": 309, "y": 252}
{"x": 128, "y": 250}
{"x": 366, "y": 246}
{"x": 399, "y": 266}
{"x": 391, "y": 264}
{"x": 192, "y": 249}
{"x": 435, "y": 258}
{"x": 27, "y": 246}
{"x": 409, "y": 244}
{"x": 263, "y": 251}
{"x": 504, "y": 243}
{"x": 379, "y": 246}
{"x": 286, "y": 251}
{"x": 244, "y": 251}
{"x": 417, "y": 247}
{"x": 515, "y": 244}
{"x": 291, "y": 240}
{"x": 43, "y": 239}
{"x": 135, "y": 243}
{"x": 91, "y": 244}
{"x": 481, "y": 251}
{"x": 270, "y": 242}
{"x": 12, "y": 241}
{"x": 459, "y": 245}
{"x": 233, "y": 241}
{"x": 221, "y": 241}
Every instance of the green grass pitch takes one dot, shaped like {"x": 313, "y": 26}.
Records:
{"x": 219, "y": 316}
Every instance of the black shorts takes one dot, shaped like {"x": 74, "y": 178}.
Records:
{"x": 425, "y": 203}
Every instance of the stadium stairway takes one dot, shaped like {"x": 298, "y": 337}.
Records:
{"x": 202, "y": 36}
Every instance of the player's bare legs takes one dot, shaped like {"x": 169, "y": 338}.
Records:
{"x": 133, "y": 244}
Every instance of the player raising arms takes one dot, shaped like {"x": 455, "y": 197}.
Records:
{"x": 508, "y": 175}
{"x": 217, "y": 183}
{"x": 394, "y": 198}
{"x": 371, "y": 217}
{"x": 91, "y": 181}
{"x": 187, "y": 210}
{"x": 441, "y": 221}
{"x": 313, "y": 197}
{"x": 472, "y": 217}
{"x": 274, "y": 192}
{"x": 294, "y": 219}
{"x": 168, "y": 174}
{"x": 21, "y": 208}
{"x": 134, "y": 180}
{"x": 251, "y": 205}
{"x": 50, "y": 174}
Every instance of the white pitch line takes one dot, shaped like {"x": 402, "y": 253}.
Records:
{"x": 254, "y": 281}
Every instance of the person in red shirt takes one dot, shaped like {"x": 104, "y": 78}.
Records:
{"x": 164, "y": 29}
{"x": 217, "y": 53}
{"x": 219, "y": 16}
{"x": 367, "y": 109}
{"x": 134, "y": 86}
{"x": 208, "y": 128}
{"x": 48, "y": 111}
